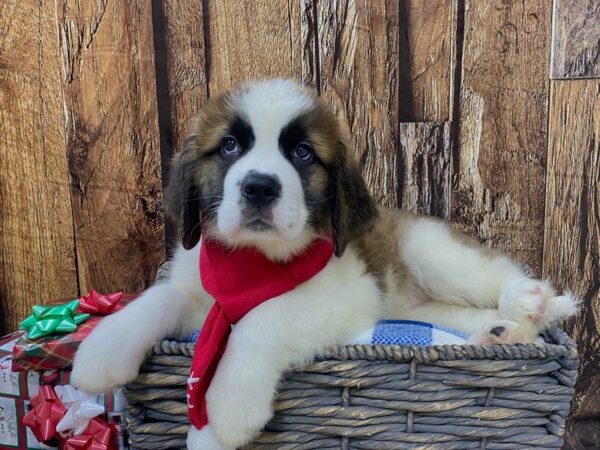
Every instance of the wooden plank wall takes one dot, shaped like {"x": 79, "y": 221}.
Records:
{"x": 572, "y": 225}
{"x": 37, "y": 251}
{"x": 481, "y": 112}
{"x": 112, "y": 145}
{"x": 79, "y": 151}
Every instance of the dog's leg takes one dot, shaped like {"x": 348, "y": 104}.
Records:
{"x": 483, "y": 325}
{"x": 453, "y": 269}
{"x": 203, "y": 439}
{"x": 463, "y": 318}
{"x": 337, "y": 303}
{"x": 113, "y": 352}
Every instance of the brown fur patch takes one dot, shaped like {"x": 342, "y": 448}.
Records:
{"x": 325, "y": 133}
{"x": 214, "y": 121}
{"x": 380, "y": 247}
{"x": 317, "y": 198}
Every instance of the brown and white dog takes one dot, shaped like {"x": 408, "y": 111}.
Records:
{"x": 269, "y": 166}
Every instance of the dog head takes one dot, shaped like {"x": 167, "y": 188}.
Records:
{"x": 268, "y": 165}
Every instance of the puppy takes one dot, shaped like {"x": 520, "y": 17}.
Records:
{"x": 268, "y": 166}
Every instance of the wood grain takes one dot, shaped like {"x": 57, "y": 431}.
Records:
{"x": 310, "y": 65}
{"x": 499, "y": 165}
{"x": 424, "y": 155}
{"x": 107, "y": 58}
{"x": 181, "y": 81}
{"x": 37, "y": 258}
{"x": 181, "y": 66}
{"x": 79, "y": 129}
{"x": 358, "y": 48}
{"x": 576, "y": 39}
{"x": 425, "y": 30}
{"x": 572, "y": 236}
{"x": 265, "y": 44}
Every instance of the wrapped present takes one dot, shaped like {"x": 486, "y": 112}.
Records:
{"x": 15, "y": 390}
{"x": 8, "y": 342}
{"x": 81, "y": 408}
{"x": 56, "y": 351}
{"x": 50, "y": 352}
{"x": 57, "y": 413}
{"x": 13, "y": 433}
{"x": 67, "y": 417}
{"x": 20, "y": 385}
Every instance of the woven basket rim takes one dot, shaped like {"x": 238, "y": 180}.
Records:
{"x": 561, "y": 347}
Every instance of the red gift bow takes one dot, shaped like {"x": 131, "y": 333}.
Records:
{"x": 99, "y": 435}
{"x": 100, "y": 304}
{"x": 45, "y": 415}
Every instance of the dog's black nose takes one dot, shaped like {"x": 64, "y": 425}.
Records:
{"x": 260, "y": 190}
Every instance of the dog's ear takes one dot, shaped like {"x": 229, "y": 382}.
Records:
{"x": 353, "y": 211}
{"x": 182, "y": 195}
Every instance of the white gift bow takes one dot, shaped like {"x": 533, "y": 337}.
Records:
{"x": 81, "y": 408}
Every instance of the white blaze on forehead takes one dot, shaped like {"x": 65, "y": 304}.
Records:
{"x": 271, "y": 104}
{"x": 268, "y": 106}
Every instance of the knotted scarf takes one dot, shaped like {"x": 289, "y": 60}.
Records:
{"x": 239, "y": 280}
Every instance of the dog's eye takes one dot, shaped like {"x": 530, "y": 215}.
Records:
{"x": 229, "y": 146}
{"x": 304, "y": 152}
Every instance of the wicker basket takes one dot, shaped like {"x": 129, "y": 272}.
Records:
{"x": 386, "y": 397}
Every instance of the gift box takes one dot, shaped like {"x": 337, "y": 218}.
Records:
{"x": 13, "y": 433}
{"x": 56, "y": 351}
{"x": 7, "y": 342}
{"x": 15, "y": 391}
{"x": 114, "y": 402}
{"x": 52, "y": 352}
{"x": 62, "y": 415}
{"x": 30, "y": 409}
{"x": 17, "y": 385}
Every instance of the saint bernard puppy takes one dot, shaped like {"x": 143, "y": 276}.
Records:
{"x": 269, "y": 166}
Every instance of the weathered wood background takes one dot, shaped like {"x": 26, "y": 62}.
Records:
{"x": 483, "y": 112}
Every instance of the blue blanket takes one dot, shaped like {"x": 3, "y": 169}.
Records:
{"x": 409, "y": 332}
{"x": 400, "y": 332}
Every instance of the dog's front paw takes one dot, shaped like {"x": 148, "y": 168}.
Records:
{"x": 110, "y": 356}
{"x": 203, "y": 439}
{"x": 535, "y": 301}
{"x": 238, "y": 410}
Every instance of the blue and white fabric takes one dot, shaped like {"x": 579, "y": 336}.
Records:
{"x": 399, "y": 332}
{"x": 409, "y": 332}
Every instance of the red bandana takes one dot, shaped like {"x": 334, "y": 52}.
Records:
{"x": 240, "y": 280}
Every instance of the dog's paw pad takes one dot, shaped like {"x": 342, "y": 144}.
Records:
{"x": 498, "y": 332}
{"x": 502, "y": 332}
{"x": 537, "y": 290}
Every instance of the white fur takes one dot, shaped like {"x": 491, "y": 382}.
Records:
{"x": 113, "y": 352}
{"x": 288, "y": 330}
{"x": 453, "y": 272}
{"x": 451, "y": 284}
{"x": 475, "y": 291}
{"x": 203, "y": 439}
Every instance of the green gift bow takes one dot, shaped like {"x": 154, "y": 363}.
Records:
{"x": 46, "y": 320}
